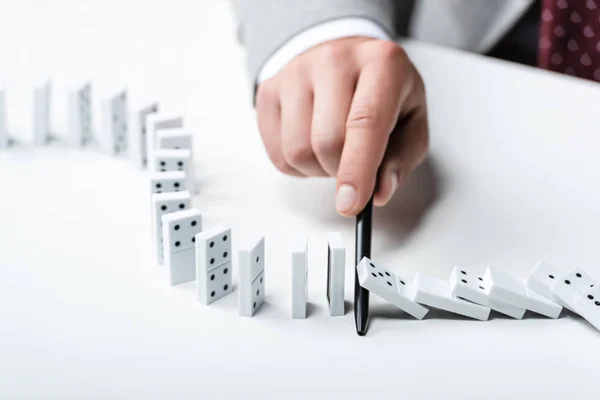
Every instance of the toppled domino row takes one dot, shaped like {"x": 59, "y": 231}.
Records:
{"x": 545, "y": 291}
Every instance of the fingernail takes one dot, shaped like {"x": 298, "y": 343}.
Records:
{"x": 346, "y": 198}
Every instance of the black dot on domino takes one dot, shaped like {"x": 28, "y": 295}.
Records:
{"x": 463, "y": 272}
{"x": 374, "y": 274}
{"x": 389, "y": 283}
{"x": 380, "y": 274}
{"x": 257, "y": 292}
{"x": 225, "y": 271}
{"x": 402, "y": 282}
{"x": 225, "y": 287}
{"x": 551, "y": 276}
{"x": 568, "y": 282}
{"x": 372, "y": 266}
{"x": 182, "y": 206}
{"x": 388, "y": 274}
{"x": 481, "y": 287}
{"x": 464, "y": 280}
{"x": 212, "y": 294}
{"x": 194, "y": 239}
{"x": 257, "y": 258}
{"x": 164, "y": 208}
{"x": 177, "y": 244}
{"x": 212, "y": 277}
{"x": 225, "y": 238}
{"x": 176, "y": 227}
{"x": 225, "y": 255}
{"x": 212, "y": 260}
{"x": 597, "y": 303}
{"x": 158, "y": 185}
{"x": 254, "y": 306}
{"x": 590, "y": 297}
{"x": 194, "y": 223}
{"x": 578, "y": 275}
{"x": 212, "y": 244}
{"x": 261, "y": 280}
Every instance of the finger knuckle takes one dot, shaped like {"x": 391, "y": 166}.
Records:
{"x": 387, "y": 50}
{"x": 328, "y": 144}
{"x": 363, "y": 117}
{"x": 267, "y": 93}
{"x": 299, "y": 155}
{"x": 330, "y": 54}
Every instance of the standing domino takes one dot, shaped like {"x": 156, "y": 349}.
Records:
{"x": 4, "y": 137}
{"x": 115, "y": 124}
{"x": 336, "y": 276}
{"x": 251, "y": 278}
{"x": 213, "y": 264}
{"x": 80, "y": 115}
{"x": 156, "y": 122}
{"x": 174, "y": 160}
{"x": 299, "y": 279}
{"x": 569, "y": 285}
{"x": 389, "y": 287}
{"x": 174, "y": 138}
{"x": 138, "y": 134}
{"x": 41, "y": 114}
{"x": 467, "y": 286}
{"x": 587, "y": 304}
{"x": 172, "y": 181}
{"x": 436, "y": 293}
{"x": 166, "y": 203}
{"x": 540, "y": 280}
{"x": 179, "y": 232}
{"x": 505, "y": 287}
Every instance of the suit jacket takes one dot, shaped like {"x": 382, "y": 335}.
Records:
{"x": 472, "y": 25}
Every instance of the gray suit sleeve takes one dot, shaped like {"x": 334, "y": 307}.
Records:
{"x": 265, "y": 25}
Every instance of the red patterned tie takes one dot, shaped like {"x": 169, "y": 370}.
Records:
{"x": 570, "y": 37}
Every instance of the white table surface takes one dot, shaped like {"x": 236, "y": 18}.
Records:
{"x": 85, "y": 313}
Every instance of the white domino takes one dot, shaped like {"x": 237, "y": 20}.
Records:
{"x": 587, "y": 304}
{"x": 336, "y": 276}
{"x": 156, "y": 122}
{"x": 41, "y": 114}
{"x": 80, "y": 116}
{"x": 300, "y": 279}
{"x": 163, "y": 160}
{"x": 174, "y": 138}
{"x": 166, "y": 203}
{"x": 138, "y": 131}
{"x": 4, "y": 136}
{"x": 163, "y": 182}
{"x": 468, "y": 286}
{"x": 505, "y": 287}
{"x": 115, "y": 124}
{"x": 179, "y": 235}
{"x": 389, "y": 287}
{"x": 213, "y": 264}
{"x": 251, "y": 270}
{"x": 540, "y": 280}
{"x": 568, "y": 286}
{"x": 437, "y": 293}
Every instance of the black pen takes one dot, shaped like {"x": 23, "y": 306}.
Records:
{"x": 363, "y": 249}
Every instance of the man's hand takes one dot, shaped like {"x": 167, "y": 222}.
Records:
{"x": 333, "y": 111}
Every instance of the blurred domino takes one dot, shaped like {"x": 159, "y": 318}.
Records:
{"x": 166, "y": 203}
{"x": 80, "y": 116}
{"x": 299, "y": 279}
{"x": 336, "y": 276}
{"x": 505, "y": 287}
{"x": 163, "y": 182}
{"x": 138, "y": 134}
{"x": 436, "y": 293}
{"x": 41, "y": 114}
{"x": 179, "y": 232}
{"x": 468, "y": 286}
{"x": 156, "y": 122}
{"x": 587, "y": 304}
{"x": 164, "y": 160}
{"x": 4, "y": 136}
{"x": 540, "y": 280}
{"x": 174, "y": 138}
{"x": 252, "y": 278}
{"x": 389, "y": 287}
{"x": 213, "y": 264}
{"x": 568, "y": 286}
{"x": 115, "y": 124}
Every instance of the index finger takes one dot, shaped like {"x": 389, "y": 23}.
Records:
{"x": 380, "y": 93}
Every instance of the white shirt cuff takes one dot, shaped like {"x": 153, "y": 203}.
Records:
{"x": 331, "y": 30}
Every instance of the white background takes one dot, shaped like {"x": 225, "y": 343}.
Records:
{"x": 85, "y": 312}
